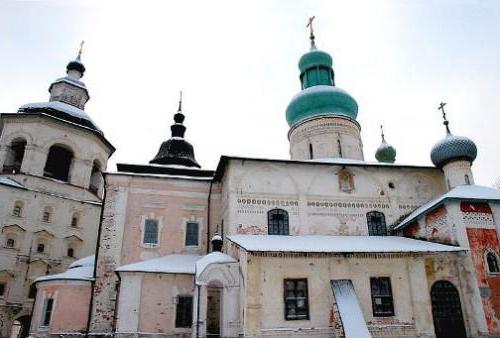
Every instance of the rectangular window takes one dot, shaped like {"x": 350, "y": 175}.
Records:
{"x": 184, "y": 311}
{"x": 191, "y": 234}
{"x": 151, "y": 231}
{"x": 2, "y": 289}
{"x": 382, "y": 302}
{"x": 46, "y": 217}
{"x": 47, "y": 312}
{"x": 296, "y": 299}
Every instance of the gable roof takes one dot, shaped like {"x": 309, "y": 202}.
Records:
{"x": 476, "y": 193}
{"x": 13, "y": 226}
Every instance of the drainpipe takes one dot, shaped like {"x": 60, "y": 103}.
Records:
{"x": 198, "y": 312}
{"x": 94, "y": 273}
{"x": 208, "y": 215}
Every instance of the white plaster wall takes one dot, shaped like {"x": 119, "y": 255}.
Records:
{"x": 127, "y": 320}
{"x": 314, "y": 200}
{"x": 43, "y": 132}
{"x": 455, "y": 173}
{"x": 323, "y": 133}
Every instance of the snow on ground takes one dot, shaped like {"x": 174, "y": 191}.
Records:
{"x": 341, "y": 244}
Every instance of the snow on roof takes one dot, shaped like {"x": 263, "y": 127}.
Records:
{"x": 338, "y": 244}
{"x": 82, "y": 269}
{"x": 5, "y": 180}
{"x": 183, "y": 264}
{"x": 353, "y": 322}
{"x": 462, "y": 192}
{"x": 86, "y": 261}
{"x": 72, "y": 81}
{"x": 215, "y": 257}
{"x": 61, "y": 106}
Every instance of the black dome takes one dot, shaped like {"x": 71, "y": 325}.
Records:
{"x": 176, "y": 151}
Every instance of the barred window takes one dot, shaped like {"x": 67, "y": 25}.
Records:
{"x": 47, "y": 312}
{"x": 376, "y": 223}
{"x": 184, "y": 311}
{"x": 191, "y": 234}
{"x": 492, "y": 261}
{"x": 296, "y": 299}
{"x": 382, "y": 302}
{"x": 10, "y": 243}
{"x": 151, "y": 231}
{"x": 17, "y": 211}
{"x": 277, "y": 222}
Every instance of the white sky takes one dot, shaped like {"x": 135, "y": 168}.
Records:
{"x": 236, "y": 63}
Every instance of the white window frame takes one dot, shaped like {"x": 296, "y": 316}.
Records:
{"x": 143, "y": 228}
{"x": 187, "y": 220}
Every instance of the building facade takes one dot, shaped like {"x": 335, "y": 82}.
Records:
{"x": 324, "y": 244}
{"x": 52, "y": 156}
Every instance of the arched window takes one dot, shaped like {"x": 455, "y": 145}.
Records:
{"x": 95, "y": 177}
{"x": 376, "y": 223}
{"x": 467, "y": 179}
{"x": 311, "y": 153}
{"x": 339, "y": 146}
{"x": 17, "y": 211}
{"x": 14, "y": 156}
{"x": 492, "y": 261}
{"x": 58, "y": 163}
{"x": 277, "y": 222}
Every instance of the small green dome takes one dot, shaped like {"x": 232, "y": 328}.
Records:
{"x": 314, "y": 58}
{"x": 321, "y": 100}
{"x": 385, "y": 153}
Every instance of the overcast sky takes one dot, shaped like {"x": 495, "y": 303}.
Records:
{"x": 236, "y": 63}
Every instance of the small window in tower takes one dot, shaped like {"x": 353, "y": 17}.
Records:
{"x": 467, "y": 180}
{"x": 17, "y": 211}
{"x": 10, "y": 243}
{"x": 40, "y": 248}
{"x": 14, "y": 156}
{"x": 71, "y": 252}
{"x": 311, "y": 152}
{"x": 151, "y": 231}
{"x": 47, "y": 215}
{"x": 2, "y": 289}
{"x": 74, "y": 221}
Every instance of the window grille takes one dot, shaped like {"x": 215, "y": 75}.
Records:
{"x": 277, "y": 222}
{"x": 296, "y": 299}
{"x": 151, "y": 231}
{"x": 10, "y": 243}
{"x": 382, "y": 302}
{"x": 376, "y": 223}
{"x": 191, "y": 234}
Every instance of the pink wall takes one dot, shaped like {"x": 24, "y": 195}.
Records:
{"x": 157, "y": 307}
{"x": 70, "y": 310}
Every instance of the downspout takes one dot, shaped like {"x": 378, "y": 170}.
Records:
{"x": 94, "y": 273}
{"x": 198, "y": 312}
{"x": 208, "y": 215}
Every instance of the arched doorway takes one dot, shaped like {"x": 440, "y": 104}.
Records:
{"x": 447, "y": 311}
{"x": 214, "y": 296}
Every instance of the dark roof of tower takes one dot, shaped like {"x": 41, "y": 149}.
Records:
{"x": 176, "y": 150}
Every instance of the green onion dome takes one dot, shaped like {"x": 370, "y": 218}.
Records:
{"x": 319, "y": 96}
{"x": 385, "y": 153}
{"x": 453, "y": 148}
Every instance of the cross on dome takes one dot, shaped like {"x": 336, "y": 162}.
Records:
{"x": 311, "y": 29}
{"x": 445, "y": 122}
{"x": 80, "y": 50}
